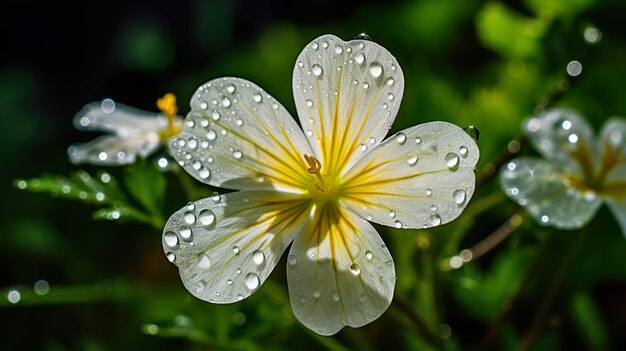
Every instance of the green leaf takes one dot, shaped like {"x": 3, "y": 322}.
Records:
{"x": 147, "y": 185}
{"x": 558, "y": 8}
{"x": 589, "y": 322}
{"x": 508, "y": 33}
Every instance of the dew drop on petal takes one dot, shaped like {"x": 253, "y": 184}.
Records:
{"x": 226, "y": 102}
{"x": 472, "y": 132}
{"x": 206, "y": 217}
{"x": 390, "y": 81}
{"x": 107, "y": 106}
{"x": 292, "y": 260}
{"x": 359, "y": 58}
{"x": 185, "y": 232}
{"x": 252, "y": 281}
{"x": 335, "y": 296}
{"x": 204, "y": 105}
{"x": 429, "y": 192}
{"x": 452, "y": 160}
{"x": 459, "y": 196}
{"x": 200, "y": 286}
{"x": 204, "y": 262}
{"x": 257, "y": 97}
{"x": 170, "y": 256}
{"x": 236, "y": 250}
{"x": 170, "y": 238}
{"x": 216, "y": 197}
{"x": 412, "y": 160}
{"x": 463, "y": 151}
{"x": 204, "y": 173}
{"x": 390, "y": 96}
{"x": 355, "y": 269}
{"x": 363, "y": 147}
{"x": 392, "y": 214}
{"x": 338, "y": 49}
{"x": 434, "y": 220}
{"x": 309, "y": 132}
{"x": 368, "y": 254}
{"x": 317, "y": 70}
{"x": 237, "y": 154}
{"x": 309, "y": 103}
{"x": 397, "y": 224}
{"x": 400, "y": 138}
{"x": 231, "y": 88}
{"x": 258, "y": 257}
{"x": 362, "y": 36}
{"x": 239, "y": 122}
{"x": 376, "y": 69}
{"x": 189, "y": 217}
{"x": 211, "y": 134}
{"x": 317, "y": 293}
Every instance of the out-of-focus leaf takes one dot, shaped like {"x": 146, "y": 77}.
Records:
{"x": 590, "y": 325}
{"x": 558, "y": 8}
{"x": 147, "y": 184}
{"x": 508, "y": 33}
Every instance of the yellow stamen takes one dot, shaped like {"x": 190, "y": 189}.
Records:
{"x": 167, "y": 105}
{"x": 314, "y": 168}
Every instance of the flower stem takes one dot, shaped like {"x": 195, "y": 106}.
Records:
{"x": 401, "y": 304}
{"x": 495, "y": 238}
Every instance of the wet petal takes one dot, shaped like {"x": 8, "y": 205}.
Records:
{"x": 339, "y": 272}
{"x": 420, "y": 177}
{"x": 619, "y": 211}
{"x": 548, "y": 193}
{"x": 563, "y": 136}
{"x": 347, "y": 96}
{"x": 225, "y": 247}
{"x": 613, "y": 150}
{"x": 122, "y": 120}
{"x": 114, "y": 151}
{"x": 237, "y": 136}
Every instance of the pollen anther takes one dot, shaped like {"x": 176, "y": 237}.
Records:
{"x": 314, "y": 168}
{"x": 167, "y": 105}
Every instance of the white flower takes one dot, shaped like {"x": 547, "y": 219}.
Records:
{"x": 579, "y": 171}
{"x": 132, "y": 132}
{"x": 317, "y": 188}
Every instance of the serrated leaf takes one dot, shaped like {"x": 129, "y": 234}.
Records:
{"x": 125, "y": 213}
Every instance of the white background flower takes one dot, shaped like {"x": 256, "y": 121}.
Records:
{"x": 579, "y": 171}
{"x": 132, "y": 133}
{"x": 317, "y": 188}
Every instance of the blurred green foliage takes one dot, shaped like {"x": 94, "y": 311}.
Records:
{"x": 488, "y": 64}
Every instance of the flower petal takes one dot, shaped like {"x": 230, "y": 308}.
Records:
{"x": 347, "y": 96}
{"x": 420, "y": 177}
{"x": 339, "y": 272}
{"x": 225, "y": 247}
{"x": 237, "y": 136}
{"x": 111, "y": 150}
{"x": 122, "y": 120}
{"x": 563, "y": 136}
{"x": 539, "y": 186}
{"x": 613, "y": 151}
{"x": 619, "y": 211}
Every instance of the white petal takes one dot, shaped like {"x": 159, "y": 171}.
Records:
{"x": 347, "y": 96}
{"x": 237, "y": 136}
{"x": 420, "y": 177}
{"x": 543, "y": 190}
{"x": 563, "y": 136}
{"x": 619, "y": 211}
{"x": 122, "y": 120}
{"x": 613, "y": 150}
{"x": 339, "y": 272}
{"x": 226, "y": 247}
{"x": 114, "y": 151}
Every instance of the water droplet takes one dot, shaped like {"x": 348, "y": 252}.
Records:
{"x": 362, "y": 36}
{"x": 363, "y": 147}
{"x": 204, "y": 105}
{"x": 372, "y": 140}
{"x": 204, "y": 262}
{"x": 459, "y": 196}
{"x": 433, "y": 208}
{"x": 355, "y": 269}
{"x": 463, "y": 151}
{"x": 316, "y": 293}
{"x": 390, "y": 96}
{"x": 434, "y": 220}
{"x": 412, "y": 160}
{"x": 226, "y": 102}
{"x": 376, "y": 69}
{"x": 216, "y": 197}
{"x": 309, "y": 132}
{"x": 215, "y": 115}
{"x": 472, "y": 132}
{"x": 196, "y": 165}
{"x": 206, "y": 217}
{"x": 400, "y": 138}
{"x": 390, "y": 81}
{"x": 171, "y": 239}
{"x": 237, "y": 154}
{"x": 236, "y": 250}
{"x": 239, "y": 297}
{"x": 572, "y": 138}
{"x": 338, "y": 49}
{"x": 309, "y": 103}
{"x": 452, "y": 160}
{"x": 231, "y": 88}
{"x": 189, "y": 217}
{"x": 204, "y": 173}
{"x": 398, "y": 224}
{"x": 335, "y": 296}
{"x": 211, "y": 134}
{"x": 252, "y": 281}
{"x": 292, "y": 260}
{"x": 170, "y": 256}
{"x": 190, "y": 123}
{"x": 574, "y": 68}
{"x": 359, "y": 58}
{"x": 545, "y": 219}
{"x": 366, "y": 85}
{"x": 239, "y": 122}
{"x": 229, "y": 282}
{"x": 200, "y": 286}
{"x": 314, "y": 46}
{"x": 368, "y": 254}
{"x": 300, "y": 64}
{"x": 317, "y": 70}
{"x": 258, "y": 257}
{"x": 392, "y": 214}
{"x": 107, "y": 106}
{"x": 429, "y": 192}
{"x": 185, "y": 232}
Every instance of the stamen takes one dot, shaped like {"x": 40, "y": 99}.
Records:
{"x": 314, "y": 168}
{"x": 167, "y": 105}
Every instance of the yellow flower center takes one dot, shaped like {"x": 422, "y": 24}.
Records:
{"x": 167, "y": 105}
{"x": 323, "y": 189}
